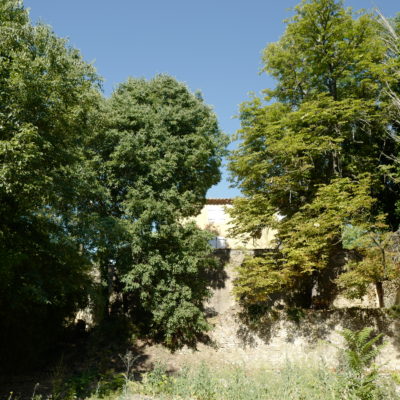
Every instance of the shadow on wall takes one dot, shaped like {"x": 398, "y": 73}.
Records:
{"x": 217, "y": 277}
{"x": 312, "y": 325}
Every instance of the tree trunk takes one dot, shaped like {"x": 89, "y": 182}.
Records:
{"x": 380, "y": 294}
{"x": 106, "y": 290}
{"x": 110, "y": 278}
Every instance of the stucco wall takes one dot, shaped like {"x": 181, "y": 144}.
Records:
{"x": 214, "y": 218}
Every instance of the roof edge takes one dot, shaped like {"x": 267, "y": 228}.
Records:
{"x": 219, "y": 201}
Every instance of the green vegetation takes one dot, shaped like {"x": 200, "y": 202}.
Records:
{"x": 356, "y": 378}
{"x": 292, "y": 382}
{"x": 94, "y": 193}
{"x": 156, "y": 154}
{"x": 46, "y": 95}
{"x": 375, "y": 262}
{"x": 96, "y": 196}
{"x": 322, "y": 159}
{"x": 358, "y": 363}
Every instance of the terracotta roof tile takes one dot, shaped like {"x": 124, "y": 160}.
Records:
{"x": 218, "y": 201}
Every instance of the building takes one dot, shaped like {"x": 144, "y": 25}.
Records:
{"x": 214, "y": 218}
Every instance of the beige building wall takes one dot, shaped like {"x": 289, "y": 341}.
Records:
{"x": 214, "y": 218}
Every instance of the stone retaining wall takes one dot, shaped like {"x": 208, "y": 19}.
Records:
{"x": 305, "y": 335}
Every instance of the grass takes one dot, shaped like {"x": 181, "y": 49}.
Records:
{"x": 356, "y": 377}
{"x": 293, "y": 382}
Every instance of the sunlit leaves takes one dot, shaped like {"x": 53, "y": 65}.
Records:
{"x": 317, "y": 159}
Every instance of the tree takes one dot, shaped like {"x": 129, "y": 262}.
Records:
{"x": 46, "y": 95}
{"x": 375, "y": 252}
{"x": 158, "y": 153}
{"x": 374, "y": 260}
{"x": 318, "y": 156}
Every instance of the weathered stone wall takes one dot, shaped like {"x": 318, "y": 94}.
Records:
{"x": 305, "y": 336}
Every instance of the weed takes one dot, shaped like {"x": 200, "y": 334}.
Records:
{"x": 157, "y": 381}
{"x": 295, "y": 314}
{"x": 360, "y": 373}
{"x": 358, "y": 378}
{"x": 394, "y": 312}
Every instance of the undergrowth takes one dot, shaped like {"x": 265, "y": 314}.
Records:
{"x": 357, "y": 377}
{"x": 292, "y": 382}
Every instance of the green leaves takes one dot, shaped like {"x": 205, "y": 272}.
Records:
{"x": 46, "y": 95}
{"x": 319, "y": 156}
{"x": 325, "y": 50}
{"x": 88, "y": 182}
{"x": 160, "y": 150}
{"x": 374, "y": 261}
{"x": 168, "y": 144}
{"x": 358, "y": 365}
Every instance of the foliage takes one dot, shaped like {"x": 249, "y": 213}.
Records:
{"x": 83, "y": 384}
{"x": 359, "y": 354}
{"x": 360, "y": 349}
{"x": 313, "y": 381}
{"x": 157, "y": 153}
{"x": 307, "y": 240}
{"x": 375, "y": 261}
{"x": 258, "y": 277}
{"x": 317, "y": 159}
{"x": 87, "y": 181}
{"x": 158, "y": 380}
{"x": 47, "y": 93}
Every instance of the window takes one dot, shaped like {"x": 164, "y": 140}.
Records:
{"x": 219, "y": 242}
{"x": 216, "y": 214}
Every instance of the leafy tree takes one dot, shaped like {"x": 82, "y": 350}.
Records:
{"x": 319, "y": 156}
{"x": 158, "y": 153}
{"x": 374, "y": 261}
{"x": 308, "y": 242}
{"x": 375, "y": 251}
{"x": 46, "y": 94}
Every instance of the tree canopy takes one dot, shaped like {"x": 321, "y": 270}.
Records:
{"x": 159, "y": 151}
{"x": 96, "y": 193}
{"x": 46, "y": 94}
{"x": 321, "y": 156}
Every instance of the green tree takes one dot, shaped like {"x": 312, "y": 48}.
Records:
{"x": 158, "y": 153}
{"x": 46, "y": 94}
{"x": 374, "y": 260}
{"x": 319, "y": 156}
{"x": 374, "y": 251}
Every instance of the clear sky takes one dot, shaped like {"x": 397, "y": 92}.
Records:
{"x": 211, "y": 45}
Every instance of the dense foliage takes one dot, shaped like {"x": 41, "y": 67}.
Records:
{"x": 322, "y": 157}
{"x": 158, "y": 152}
{"x": 94, "y": 194}
{"x": 46, "y": 94}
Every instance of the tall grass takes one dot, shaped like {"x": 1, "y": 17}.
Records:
{"x": 356, "y": 377}
{"x": 293, "y": 382}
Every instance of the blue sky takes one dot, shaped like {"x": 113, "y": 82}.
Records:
{"x": 214, "y": 46}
